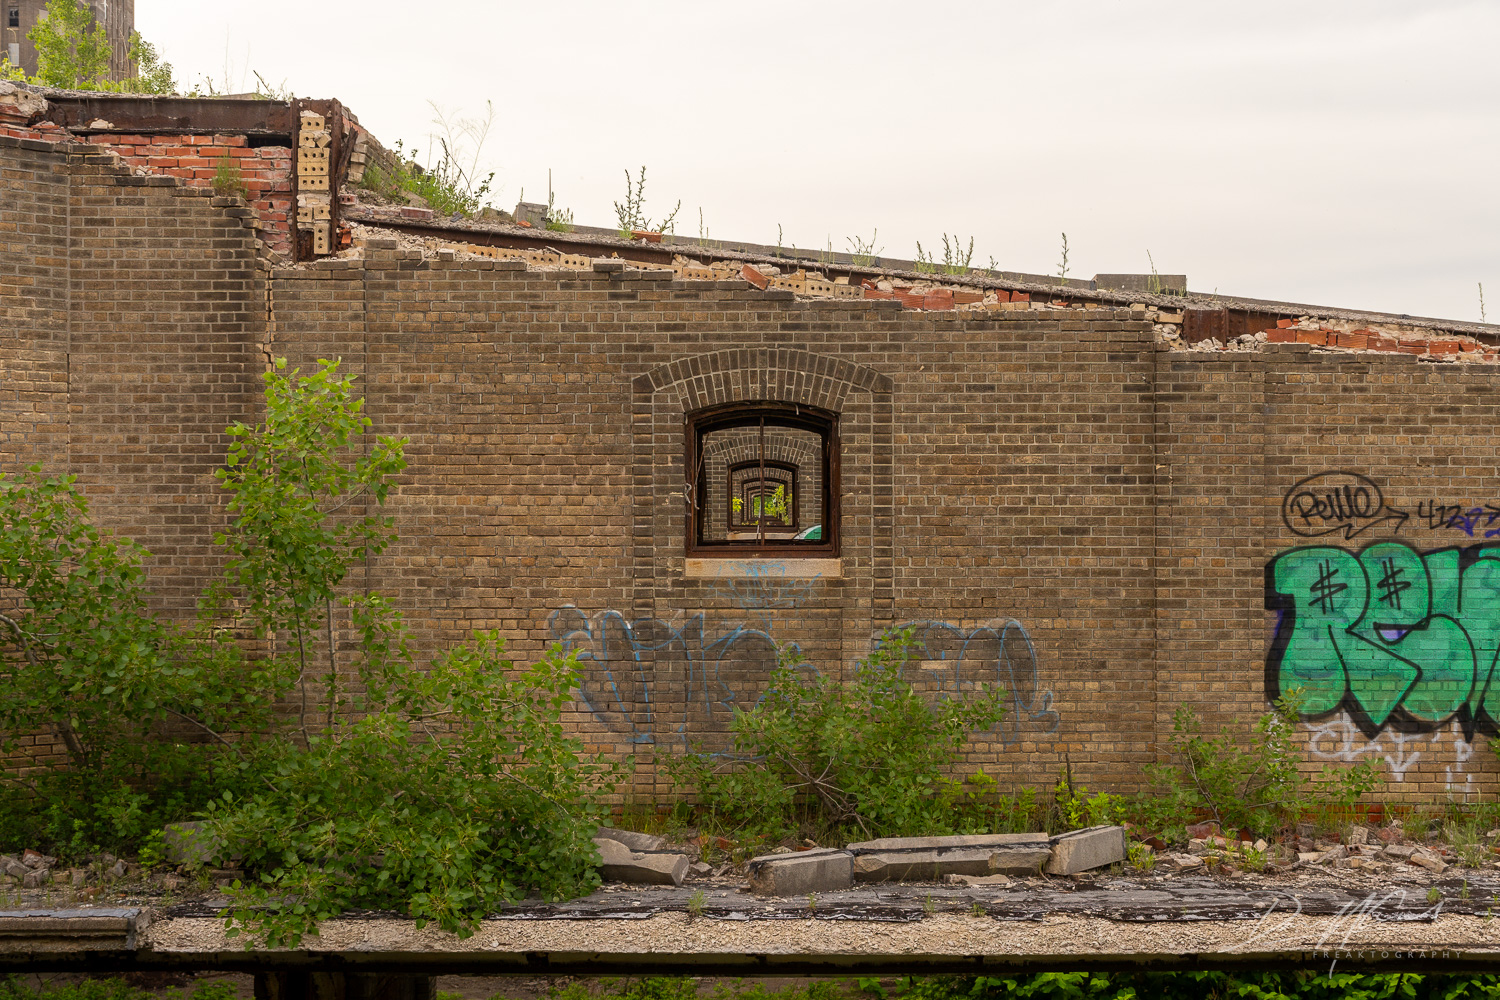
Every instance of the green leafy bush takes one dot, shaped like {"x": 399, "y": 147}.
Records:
{"x": 136, "y": 703}
{"x": 1256, "y": 784}
{"x": 455, "y": 790}
{"x": 866, "y": 755}
{"x": 974, "y": 805}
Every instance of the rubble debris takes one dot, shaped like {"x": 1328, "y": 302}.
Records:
{"x": 620, "y": 864}
{"x": 978, "y": 880}
{"x": 822, "y": 869}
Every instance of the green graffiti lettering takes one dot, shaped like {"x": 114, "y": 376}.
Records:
{"x": 1385, "y": 629}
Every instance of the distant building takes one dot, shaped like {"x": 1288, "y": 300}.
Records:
{"x": 117, "y": 16}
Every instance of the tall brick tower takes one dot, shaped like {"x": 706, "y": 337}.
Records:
{"x": 117, "y": 16}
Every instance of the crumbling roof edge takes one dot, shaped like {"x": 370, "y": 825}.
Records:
{"x": 457, "y": 229}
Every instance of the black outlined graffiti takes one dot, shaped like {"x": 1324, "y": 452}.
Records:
{"x": 1333, "y": 501}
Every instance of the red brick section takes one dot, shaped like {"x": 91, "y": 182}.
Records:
{"x": 1288, "y": 332}
{"x": 265, "y": 171}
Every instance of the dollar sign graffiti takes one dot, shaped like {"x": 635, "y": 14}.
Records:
{"x": 1325, "y": 588}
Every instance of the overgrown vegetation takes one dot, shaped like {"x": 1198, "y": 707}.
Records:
{"x": 559, "y": 220}
{"x": 631, "y": 214}
{"x": 441, "y": 790}
{"x": 1088, "y": 985}
{"x": 864, "y": 252}
{"x": 16, "y": 988}
{"x": 956, "y": 258}
{"x": 228, "y": 181}
{"x": 1256, "y": 786}
{"x": 864, "y": 756}
{"x": 72, "y": 53}
{"x": 451, "y": 186}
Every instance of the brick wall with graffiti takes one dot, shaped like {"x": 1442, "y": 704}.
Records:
{"x": 1331, "y": 530}
{"x": 1054, "y": 503}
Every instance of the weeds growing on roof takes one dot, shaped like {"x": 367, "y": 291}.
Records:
{"x": 864, "y": 254}
{"x": 1062, "y": 266}
{"x": 632, "y": 216}
{"x": 559, "y": 220}
{"x": 956, "y": 258}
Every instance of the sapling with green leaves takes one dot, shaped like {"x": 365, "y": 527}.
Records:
{"x": 298, "y": 526}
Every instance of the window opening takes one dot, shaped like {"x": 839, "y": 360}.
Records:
{"x": 13, "y": 18}
{"x": 762, "y": 479}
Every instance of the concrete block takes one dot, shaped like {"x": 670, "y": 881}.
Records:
{"x": 930, "y": 865}
{"x": 312, "y": 121}
{"x": 631, "y": 839}
{"x": 620, "y": 864}
{"x": 320, "y": 239}
{"x": 12, "y": 866}
{"x": 802, "y": 872}
{"x": 36, "y": 879}
{"x": 316, "y": 183}
{"x": 942, "y": 843}
{"x": 1080, "y": 850}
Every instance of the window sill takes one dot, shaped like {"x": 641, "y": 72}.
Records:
{"x": 770, "y": 567}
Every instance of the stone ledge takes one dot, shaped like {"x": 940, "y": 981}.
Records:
{"x": 763, "y": 569}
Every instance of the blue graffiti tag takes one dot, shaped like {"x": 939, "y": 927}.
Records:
{"x": 652, "y": 681}
{"x": 953, "y": 661}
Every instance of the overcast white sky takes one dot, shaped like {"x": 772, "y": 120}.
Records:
{"x": 1338, "y": 153}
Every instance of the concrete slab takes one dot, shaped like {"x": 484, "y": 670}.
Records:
{"x": 620, "y": 864}
{"x": 801, "y": 873}
{"x": 633, "y": 840}
{"x": 1081, "y": 850}
{"x": 933, "y": 865}
{"x": 943, "y": 843}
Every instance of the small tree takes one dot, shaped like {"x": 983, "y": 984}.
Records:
{"x": 292, "y": 541}
{"x": 72, "y": 50}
